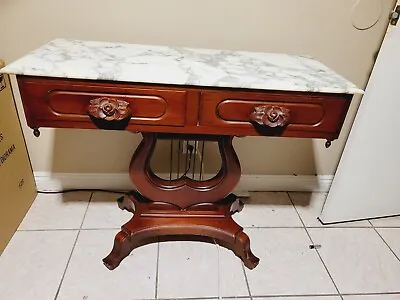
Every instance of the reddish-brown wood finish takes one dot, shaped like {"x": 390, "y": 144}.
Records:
{"x": 183, "y": 206}
{"x": 309, "y": 112}
{"x": 109, "y": 109}
{"x": 271, "y": 116}
{"x": 68, "y": 101}
{"x": 63, "y": 103}
{"x": 154, "y": 219}
{"x": 184, "y": 192}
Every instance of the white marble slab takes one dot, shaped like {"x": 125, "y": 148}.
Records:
{"x": 180, "y": 66}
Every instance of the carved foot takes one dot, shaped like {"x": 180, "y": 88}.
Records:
{"x": 153, "y": 220}
{"x": 125, "y": 203}
{"x": 242, "y": 250}
{"x": 120, "y": 250}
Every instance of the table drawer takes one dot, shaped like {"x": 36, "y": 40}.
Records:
{"x": 65, "y": 103}
{"x": 284, "y": 113}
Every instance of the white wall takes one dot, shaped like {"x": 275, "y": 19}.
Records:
{"x": 319, "y": 28}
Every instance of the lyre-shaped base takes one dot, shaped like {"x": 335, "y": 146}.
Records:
{"x": 184, "y": 192}
{"x": 182, "y": 207}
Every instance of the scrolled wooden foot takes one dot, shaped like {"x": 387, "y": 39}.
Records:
{"x": 242, "y": 250}
{"x": 120, "y": 250}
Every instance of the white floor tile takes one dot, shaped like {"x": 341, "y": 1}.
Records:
{"x": 32, "y": 265}
{"x": 392, "y": 237}
{"x": 372, "y": 297}
{"x": 387, "y": 222}
{"x": 103, "y": 212}
{"x": 187, "y": 269}
{"x": 287, "y": 265}
{"x": 56, "y": 211}
{"x": 88, "y": 278}
{"x": 268, "y": 209}
{"x": 309, "y": 207}
{"x": 358, "y": 260}
{"x": 232, "y": 279}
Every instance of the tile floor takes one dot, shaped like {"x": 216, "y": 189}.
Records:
{"x": 56, "y": 254}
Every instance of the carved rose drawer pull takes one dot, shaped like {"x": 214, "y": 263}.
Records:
{"x": 109, "y": 109}
{"x": 271, "y": 116}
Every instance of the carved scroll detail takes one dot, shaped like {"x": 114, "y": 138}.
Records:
{"x": 271, "y": 116}
{"x": 109, "y": 109}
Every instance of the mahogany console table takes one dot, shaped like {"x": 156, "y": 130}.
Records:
{"x": 180, "y": 93}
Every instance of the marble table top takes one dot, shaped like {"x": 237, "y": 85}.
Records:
{"x": 93, "y": 60}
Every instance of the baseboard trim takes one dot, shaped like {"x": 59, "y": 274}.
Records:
{"x": 47, "y": 181}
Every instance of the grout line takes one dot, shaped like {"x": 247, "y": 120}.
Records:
{"x": 295, "y": 296}
{"x": 386, "y": 243}
{"x": 282, "y": 296}
{"x": 87, "y": 208}
{"x": 384, "y": 227}
{"x": 95, "y": 229}
{"x": 66, "y": 267}
{"x": 252, "y": 227}
{"x": 319, "y": 255}
{"x": 247, "y": 281}
{"x": 72, "y": 251}
{"x": 197, "y": 298}
{"x": 49, "y": 229}
{"x": 371, "y": 294}
{"x": 218, "y": 270}
{"x": 72, "y": 229}
{"x": 158, "y": 259}
{"x": 301, "y": 227}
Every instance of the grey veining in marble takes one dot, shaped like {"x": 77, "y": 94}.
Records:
{"x": 180, "y": 66}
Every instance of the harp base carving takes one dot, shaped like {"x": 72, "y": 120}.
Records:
{"x": 182, "y": 209}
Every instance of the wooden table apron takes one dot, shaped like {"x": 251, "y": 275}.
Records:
{"x": 182, "y": 207}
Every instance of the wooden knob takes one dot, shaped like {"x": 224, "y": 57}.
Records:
{"x": 271, "y": 116}
{"x": 109, "y": 109}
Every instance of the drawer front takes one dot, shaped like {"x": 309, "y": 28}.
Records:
{"x": 304, "y": 112}
{"x": 69, "y": 102}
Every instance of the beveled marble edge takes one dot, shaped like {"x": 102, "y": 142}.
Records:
{"x": 133, "y": 63}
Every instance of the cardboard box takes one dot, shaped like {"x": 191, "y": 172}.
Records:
{"x": 17, "y": 184}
